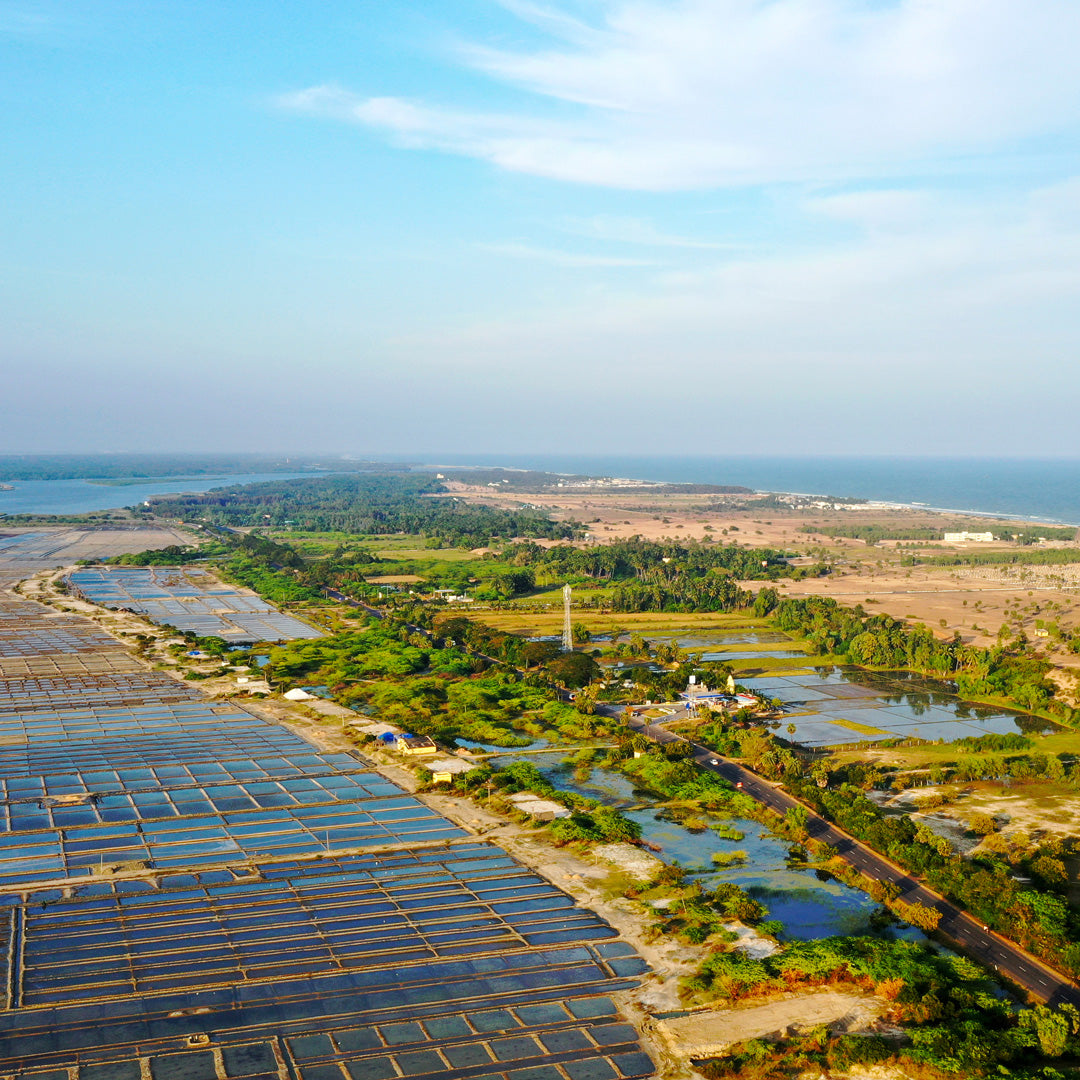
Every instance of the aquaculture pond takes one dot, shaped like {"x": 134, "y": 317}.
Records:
{"x": 830, "y": 705}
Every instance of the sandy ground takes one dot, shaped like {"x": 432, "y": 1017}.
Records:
{"x": 948, "y": 601}
{"x": 973, "y": 601}
{"x": 709, "y": 1034}
{"x": 613, "y": 515}
{"x": 1034, "y": 811}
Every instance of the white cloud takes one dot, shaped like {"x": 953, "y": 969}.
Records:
{"x": 516, "y": 250}
{"x": 943, "y": 306}
{"x": 630, "y": 230}
{"x": 700, "y": 93}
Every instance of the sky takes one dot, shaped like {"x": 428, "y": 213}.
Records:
{"x": 614, "y": 226}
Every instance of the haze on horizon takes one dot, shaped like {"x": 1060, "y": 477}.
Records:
{"x": 610, "y": 226}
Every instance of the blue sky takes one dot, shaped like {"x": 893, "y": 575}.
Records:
{"x": 696, "y": 226}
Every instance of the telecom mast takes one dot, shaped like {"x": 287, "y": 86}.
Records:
{"x": 567, "y": 631}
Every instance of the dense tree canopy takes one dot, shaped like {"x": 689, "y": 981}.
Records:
{"x": 363, "y": 503}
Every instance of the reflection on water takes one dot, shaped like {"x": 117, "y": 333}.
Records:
{"x": 83, "y": 496}
{"x": 809, "y": 906}
{"x": 491, "y": 748}
{"x": 828, "y": 706}
{"x": 691, "y": 642}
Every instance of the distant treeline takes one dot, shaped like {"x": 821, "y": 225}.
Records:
{"x": 1038, "y": 557}
{"x": 881, "y": 641}
{"x": 111, "y": 518}
{"x": 873, "y": 533}
{"x": 1033, "y": 536}
{"x": 365, "y": 504}
{"x": 109, "y": 466}
{"x": 664, "y": 575}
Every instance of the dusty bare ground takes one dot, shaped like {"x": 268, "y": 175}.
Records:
{"x": 709, "y": 1034}
{"x": 613, "y": 515}
{"x": 947, "y": 600}
{"x": 972, "y": 601}
{"x": 1032, "y": 812}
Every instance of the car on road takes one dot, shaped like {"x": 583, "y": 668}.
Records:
{"x": 713, "y": 761}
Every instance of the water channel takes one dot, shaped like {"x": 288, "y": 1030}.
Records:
{"x": 828, "y": 705}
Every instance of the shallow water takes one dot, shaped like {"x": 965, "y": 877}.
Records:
{"x": 83, "y": 497}
{"x": 834, "y": 704}
{"x": 809, "y": 906}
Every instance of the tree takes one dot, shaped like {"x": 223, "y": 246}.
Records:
{"x": 982, "y": 824}
{"x": 1053, "y": 1027}
{"x": 796, "y": 819}
{"x": 925, "y": 918}
{"x": 573, "y": 669}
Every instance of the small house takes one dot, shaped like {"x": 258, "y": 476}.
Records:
{"x": 416, "y": 745}
{"x": 538, "y": 809}
{"x": 443, "y": 770}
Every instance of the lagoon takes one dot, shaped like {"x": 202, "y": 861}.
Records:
{"x": 87, "y": 496}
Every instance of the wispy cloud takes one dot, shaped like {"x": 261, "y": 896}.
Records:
{"x": 638, "y": 231}
{"x": 516, "y": 250}
{"x": 943, "y": 303}
{"x": 700, "y": 93}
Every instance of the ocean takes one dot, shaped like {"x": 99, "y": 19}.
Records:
{"x": 1037, "y": 489}
{"x": 1045, "y": 490}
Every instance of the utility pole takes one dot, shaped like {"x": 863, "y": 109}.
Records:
{"x": 567, "y": 631}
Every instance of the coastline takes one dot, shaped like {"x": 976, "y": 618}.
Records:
{"x": 1025, "y": 489}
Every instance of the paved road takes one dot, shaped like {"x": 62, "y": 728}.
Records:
{"x": 989, "y": 948}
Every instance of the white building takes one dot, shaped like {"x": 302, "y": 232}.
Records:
{"x": 964, "y": 537}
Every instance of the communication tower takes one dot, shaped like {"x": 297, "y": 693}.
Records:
{"x": 567, "y": 631}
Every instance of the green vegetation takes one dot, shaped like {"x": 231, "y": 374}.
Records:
{"x": 589, "y": 822}
{"x": 1036, "y": 915}
{"x": 695, "y": 914}
{"x": 1039, "y": 557}
{"x": 662, "y": 576}
{"x": 993, "y": 742}
{"x": 952, "y": 1021}
{"x": 431, "y": 687}
{"x": 365, "y": 503}
{"x": 1011, "y": 673}
{"x": 872, "y": 534}
{"x": 1042, "y": 532}
{"x": 173, "y": 555}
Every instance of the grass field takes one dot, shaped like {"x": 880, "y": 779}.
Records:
{"x": 406, "y": 554}
{"x": 530, "y": 623}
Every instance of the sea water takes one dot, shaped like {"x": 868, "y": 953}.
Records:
{"x": 1029, "y": 488}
